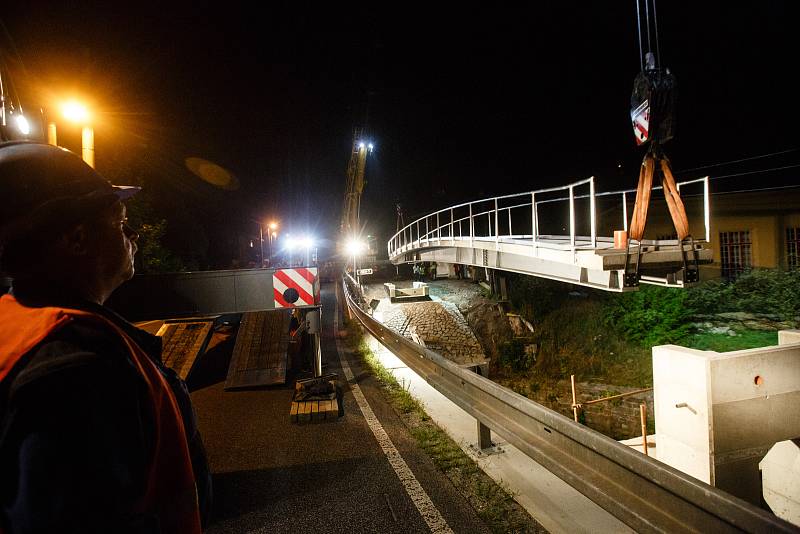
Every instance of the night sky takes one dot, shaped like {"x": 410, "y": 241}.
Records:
{"x": 461, "y": 102}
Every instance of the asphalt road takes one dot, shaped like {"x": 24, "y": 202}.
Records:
{"x": 271, "y": 475}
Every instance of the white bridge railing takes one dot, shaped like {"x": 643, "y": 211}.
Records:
{"x": 517, "y": 217}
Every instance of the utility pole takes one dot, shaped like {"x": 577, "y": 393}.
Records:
{"x": 261, "y": 238}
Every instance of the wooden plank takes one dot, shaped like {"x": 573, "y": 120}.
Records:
{"x": 315, "y": 411}
{"x": 334, "y": 412}
{"x": 151, "y": 327}
{"x": 324, "y": 410}
{"x": 183, "y": 341}
{"x": 324, "y": 406}
{"x": 304, "y": 415}
{"x": 260, "y": 354}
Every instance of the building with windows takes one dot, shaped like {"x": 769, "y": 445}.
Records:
{"x": 755, "y": 228}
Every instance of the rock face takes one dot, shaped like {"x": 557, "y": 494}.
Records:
{"x": 441, "y": 328}
{"x": 491, "y": 325}
{"x": 742, "y": 321}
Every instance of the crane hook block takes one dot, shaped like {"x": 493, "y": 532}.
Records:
{"x": 653, "y": 106}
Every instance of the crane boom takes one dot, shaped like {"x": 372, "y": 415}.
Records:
{"x": 350, "y": 226}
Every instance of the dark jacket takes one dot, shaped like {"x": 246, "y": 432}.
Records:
{"x": 74, "y": 437}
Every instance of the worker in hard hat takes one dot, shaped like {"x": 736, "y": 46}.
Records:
{"x": 96, "y": 434}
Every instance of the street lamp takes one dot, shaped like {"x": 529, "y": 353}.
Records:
{"x": 261, "y": 243}
{"x": 355, "y": 248}
{"x": 271, "y": 236}
{"x": 290, "y": 247}
{"x": 308, "y": 242}
{"x": 22, "y": 124}
{"x": 76, "y": 112}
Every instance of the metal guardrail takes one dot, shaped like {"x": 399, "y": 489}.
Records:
{"x": 444, "y": 224}
{"x": 645, "y": 494}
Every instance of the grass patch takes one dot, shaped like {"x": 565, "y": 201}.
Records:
{"x": 574, "y": 339}
{"x": 493, "y": 503}
{"x": 397, "y": 392}
{"x": 747, "y": 339}
{"x": 608, "y": 337}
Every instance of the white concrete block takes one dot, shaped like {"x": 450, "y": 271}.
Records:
{"x": 681, "y": 396}
{"x": 755, "y": 373}
{"x": 780, "y": 474}
{"x": 788, "y": 336}
{"x": 717, "y": 414}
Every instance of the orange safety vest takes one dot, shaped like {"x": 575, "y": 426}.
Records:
{"x": 170, "y": 492}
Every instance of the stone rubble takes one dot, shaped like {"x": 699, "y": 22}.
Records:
{"x": 438, "y": 323}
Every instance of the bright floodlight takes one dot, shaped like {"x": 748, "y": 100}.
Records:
{"x": 307, "y": 242}
{"x": 22, "y": 125}
{"x": 290, "y": 243}
{"x": 355, "y": 247}
{"x": 273, "y": 226}
{"x": 75, "y": 112}
{"x": 371, "y": 146}
{"x": 361, "y": 145}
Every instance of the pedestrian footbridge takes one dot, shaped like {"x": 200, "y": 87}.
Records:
{"x": 562, "y": 233}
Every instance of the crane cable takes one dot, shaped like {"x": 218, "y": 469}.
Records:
{"x": 648, "y": 26}
{"x": 639, "y": 28}
{"x": 655, "y": 161}
{"x": 655, "y": 27}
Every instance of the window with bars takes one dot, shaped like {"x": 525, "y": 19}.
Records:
{"x": 793, "y": 248}
{"x": 735, "y": 253}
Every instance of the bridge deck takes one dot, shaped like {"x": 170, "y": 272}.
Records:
{"x": 513, "y": 233}
{"x": 582, "y": 261}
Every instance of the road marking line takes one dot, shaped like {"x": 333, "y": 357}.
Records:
{"x": 413, "y": 488}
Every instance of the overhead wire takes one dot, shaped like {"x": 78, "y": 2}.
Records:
{"x": 758, "y": 171}
{"x": 759, "y": 189}
{"x": 751, "y": 158}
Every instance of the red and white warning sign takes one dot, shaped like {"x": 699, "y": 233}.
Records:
{"x": 295, "y": 287}
{"x": 640, "y": 117}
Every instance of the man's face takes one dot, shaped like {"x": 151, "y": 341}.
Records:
{"x": 112, "y": 244}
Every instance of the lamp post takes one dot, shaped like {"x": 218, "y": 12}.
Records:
{"x": 77, "y": 113}
{"x": 308, "y": 243}
{"x": 271, "y": 236}
{"x": 261, "y": 243}
{"x": 355, "y": 271}
{"x": 290, "y": 248}
{"x": 355, "y": 247}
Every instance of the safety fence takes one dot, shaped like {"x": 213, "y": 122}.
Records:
{"x": 643, "y": 493}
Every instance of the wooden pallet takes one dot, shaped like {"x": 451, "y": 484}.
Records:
{"x": 314, "y": 411}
